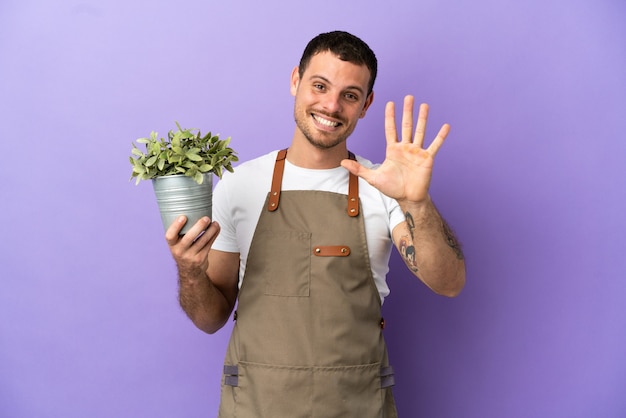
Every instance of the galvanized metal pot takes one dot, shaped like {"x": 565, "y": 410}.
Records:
{"x": 180, "y": 195}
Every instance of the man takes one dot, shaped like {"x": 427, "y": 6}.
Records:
{"x": 302, "y": 239}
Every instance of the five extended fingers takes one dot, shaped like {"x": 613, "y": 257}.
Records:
{"x": 407, "y": 136}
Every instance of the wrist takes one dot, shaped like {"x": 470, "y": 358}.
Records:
{"x": 191, "y": 274}
{"x": 415, "y": 206}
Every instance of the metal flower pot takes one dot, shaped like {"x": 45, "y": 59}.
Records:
{"x": 180, "y": 195}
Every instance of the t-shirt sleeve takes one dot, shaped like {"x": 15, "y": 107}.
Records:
{"x": 396, "y": 217}
{"x": 222, "y": 213}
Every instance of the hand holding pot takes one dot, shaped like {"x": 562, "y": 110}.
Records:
{"x": 190, "y": 251}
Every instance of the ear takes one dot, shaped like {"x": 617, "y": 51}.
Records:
{"x": 367, "y": 104}
{"x": 295, "y": 81}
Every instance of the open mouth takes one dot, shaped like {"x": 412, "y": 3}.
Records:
{"x": 325, "y": 122}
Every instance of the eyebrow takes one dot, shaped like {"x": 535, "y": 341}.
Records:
{"x": 358, "y": 88}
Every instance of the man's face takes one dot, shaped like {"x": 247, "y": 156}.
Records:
{"x": 330, "y": 97}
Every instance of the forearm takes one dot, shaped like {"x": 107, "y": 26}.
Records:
{"x": 430, "y": 249}
{"x": 202, "y": 301}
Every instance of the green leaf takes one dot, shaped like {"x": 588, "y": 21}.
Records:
{"x": 155, "y": 148}
{"x": 193, "y": 157}
{"x": 186, "y": 134}
{"x": 151, "y": 161}
{"x": 205, "y": 168}
{"x": 223, "y": 153}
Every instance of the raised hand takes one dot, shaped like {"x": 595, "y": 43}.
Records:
{"x": 406, "y": 172}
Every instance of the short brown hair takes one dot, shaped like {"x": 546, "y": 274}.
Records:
{"x": 345, "y": 46}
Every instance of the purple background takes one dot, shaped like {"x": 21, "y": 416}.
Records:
{"x": 532, "y": 178}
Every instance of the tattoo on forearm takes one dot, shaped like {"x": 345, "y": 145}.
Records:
{"x": 407, "y": 242}
{"x": 451, "y": 240}
{"x": 407, "y": 249}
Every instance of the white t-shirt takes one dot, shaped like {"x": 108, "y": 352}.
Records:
{"x": 239, "y": 197}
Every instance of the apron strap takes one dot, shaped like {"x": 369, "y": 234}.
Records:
{"x": 277, "y": 181}
{"x": 353, "y": 192}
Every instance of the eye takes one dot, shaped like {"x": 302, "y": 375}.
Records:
{"x": 352, "y": 97}
{"x": 318, "y": 86}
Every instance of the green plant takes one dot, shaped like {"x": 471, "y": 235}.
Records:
{"x": 185, "y": 151}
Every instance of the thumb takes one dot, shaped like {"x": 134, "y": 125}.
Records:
{"x": 357, "y": 169}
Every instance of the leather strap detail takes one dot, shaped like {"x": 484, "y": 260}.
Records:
{"x": 331, "y": 250}
{"x": 277, "y": 180}
{"x": 353, "y": 192}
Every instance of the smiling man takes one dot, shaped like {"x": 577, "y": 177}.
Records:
{"x": 300, "y": 244}
{"x": 331, "y": 95}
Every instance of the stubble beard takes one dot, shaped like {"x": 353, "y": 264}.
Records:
{"x": 318, "y": 138}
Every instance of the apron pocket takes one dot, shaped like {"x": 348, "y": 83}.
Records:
{"x": 290, "y": 253}
{"x": 348, "y": 391}
{"x": 315, "y": 392}
{"x": 266, "y": 391}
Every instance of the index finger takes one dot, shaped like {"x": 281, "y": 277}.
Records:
{"x": 391, "y": 134}
{"x": 438, "y": 141}
{"x": 172, "y": 233}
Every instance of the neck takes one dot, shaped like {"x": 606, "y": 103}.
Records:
{"x": 304, "y": 154}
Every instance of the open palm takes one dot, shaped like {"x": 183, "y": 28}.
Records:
{"x": 406, "y": 172}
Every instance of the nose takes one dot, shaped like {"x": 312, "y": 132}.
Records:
{"x": 332, "y": 103}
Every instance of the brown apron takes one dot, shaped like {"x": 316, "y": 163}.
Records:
{"x": 308, "y": 338}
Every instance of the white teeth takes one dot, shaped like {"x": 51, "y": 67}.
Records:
{"x": 326, "y": 122}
